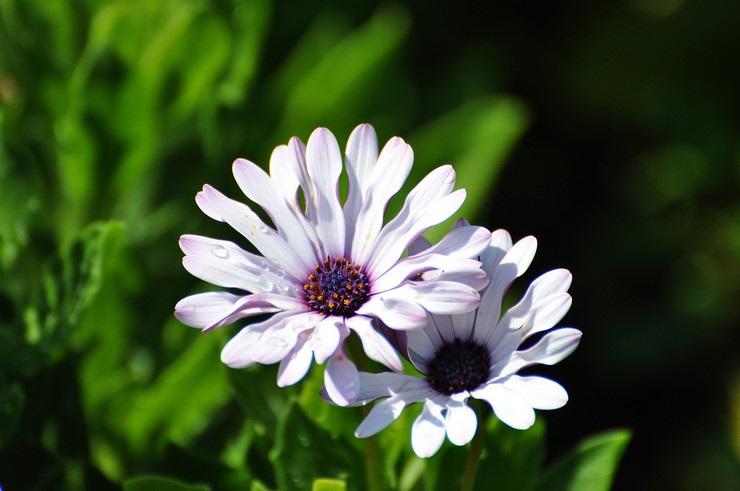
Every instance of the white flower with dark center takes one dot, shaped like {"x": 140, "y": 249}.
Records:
{"x": 478, "y": 354}
{"x": 324, "y": 269}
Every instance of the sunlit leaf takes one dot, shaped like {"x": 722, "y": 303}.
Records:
{"x": 156, "y": 483}
{"x": 590, "y": 466}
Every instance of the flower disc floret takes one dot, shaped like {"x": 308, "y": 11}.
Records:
{"x": 459, "y": 366}
{"x": 336, "y": 287}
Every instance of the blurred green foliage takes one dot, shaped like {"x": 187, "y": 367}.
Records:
{"x": 114, "y": 113}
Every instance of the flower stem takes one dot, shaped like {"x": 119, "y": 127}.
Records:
{"x": 476, "y": 447}
{"x": 373, "y": 471}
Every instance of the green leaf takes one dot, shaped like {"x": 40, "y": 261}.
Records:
{"x": 303, "y": 452}
{"x": 11, "y": 405}
{"x": 590, "y": 467}
{"x": 329, "y": 485}
{"x": 157, "y": 483}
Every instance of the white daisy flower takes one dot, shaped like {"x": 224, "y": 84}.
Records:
{"x": 478, "y": 354}
{"x": 324, "y": 269}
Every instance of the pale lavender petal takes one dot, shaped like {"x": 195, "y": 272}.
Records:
{"x": 552, "y": 348}
{"x": 512, "y": 265}
{"x": 388, "y": 175}
{"x": 376, "y": 385}
{"x": 548, "y": 285}
{"x": 265, "y": 239}
{"x": 440, "y": 297}
{"x": 214, "y": 309}
{"x": 541, "y": 317}
{"x": 428, "y": 430}
{"x": 205, "y": 309}
{"x": 223, "y": 263}
{"x": 360, "y": 157}
{"x": 326, "y": 338}
{"x": 206, "y": 207}
{"x": 341, "y": 379}
{"x": 416, "y": 266}
{"x": 421, "y": 348}
{"x": 387, "y": 411}
{"x": 429, "y": 203}
{"x": 374, "y": 344}
{"x": 324, "y": 162}
{"x": 396, "y": 313}
{"x": 463, "y": 242}
{"x": 418, "y": 246}
{"x": 538, "y": 392}
{"x": 261, "y": 189}
{"x": 285, "y": 174}
{"x": 460, "y": 422}
{"x": 296, "y": 364}
{"x": 508, "y": 405}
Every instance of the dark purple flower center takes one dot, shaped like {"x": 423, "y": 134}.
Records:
{"x": 459, "y": 366}
{"x": 336, "y": 287}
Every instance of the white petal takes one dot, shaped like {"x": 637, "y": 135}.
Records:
{"x": 360, "y": 157}
{"x": 508, "y": 406}
{"x": 243, "y": 349}
{"x": 375, "y": 345}
{"x": 396, "y": 313}
{"x": 388, "y": 175}
{"x": 341, "y": 379}
{"x": 205, "y": 207}
{"x": 428, "y": 431}
{"x": 376, "y": 385}
{"x": 285, "y": 174}
{"x": 326, "y": 338}
{"x": 214, "y": 309}
{"x": 387, "y": 411}
{"x": 269, "y": 341}
{"x": 549, "y": 284}
{"x": 441, "y": 297}
{"x": 463, "y": 242}
{"x": 493, "y": 254}
{"x": 261, "y": 189}
{"x": 538, "y": 392}
{"x": 429, "y": 203}
{"x": 421, "y": 348}
{"x": 265, "y": 239}
{"x": 525, "y": 322}
{"x": 205, "y": 309}
{"x": 460, "y": 422}
{"x": 553, "y": 347}
{"x": 295, "y": 365}
{"x": 223, "y": 263}
{"x": 324, "y": 163}
{"x": 512, "y": 265}
{"x": 413, "y": 267}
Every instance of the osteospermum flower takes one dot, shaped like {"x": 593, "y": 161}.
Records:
{"x": 478, "y": 354}
{"x": 324, "y": 269}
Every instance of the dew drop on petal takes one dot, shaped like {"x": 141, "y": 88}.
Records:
{"x": 219, "y": 251}
{"x": 277, "y": 342}
{"x": 264, "y": 265}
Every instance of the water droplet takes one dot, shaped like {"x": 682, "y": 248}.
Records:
{"x": 263, "y": 229}
{"x": 219, "y": 251}
{"x": 280, "y": 273}
{"x": 264, "y": 265}
{"x": 277, "y": 342}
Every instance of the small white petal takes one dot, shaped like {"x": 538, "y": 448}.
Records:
{"x": 374, "y": 344}
{"x": 325, "y": 338}
{"x": 380, "y": 416}
{"x": 376, "y": 385}
{"x": 460, "y": 422}
{"x": 552, "y": 348}
{"x": 341, "y": 379}
{"x": 508, "y": 406}
{"x": 360, "y": 157}
{"x": 264, "y": 238}
{"x": 421, "y": 348}
{"x": 257, "y": 185}
{"x": 428, "y": 431}
{"x": 429, "y": 203}
{"x": 205, "y": 309}
{"x": 441, "y": 297}
{"x": 512, "y": 265}
{"x": 538, "y": 392}
{"x": 396, "y": 313}
{"x": 463, "y": 242}
{"x": 324, "y": 163}
{"x": 295, "y": 365}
